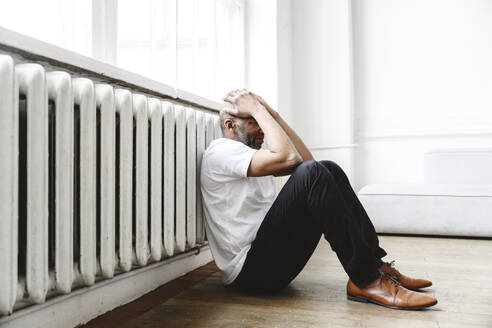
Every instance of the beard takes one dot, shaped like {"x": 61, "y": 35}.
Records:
{"x": 247, "y": 139}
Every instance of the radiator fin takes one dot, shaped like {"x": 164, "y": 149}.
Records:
{"x": 190, "y": 177}
{"x": 32, "y": 86}
{"x": 169, "y": 167}
{"x": 141, "y": 115}
{"x": 155, "y": 182}
{"x": 106, "y": 107}
{"x": 180, "y": 217}
{"x": 85, "y": 105}
{"x": 60, "y": 93}
{"x": 124, "y": 181}
{"x": 9, "y": 161}
{"x": 200, "y": 149}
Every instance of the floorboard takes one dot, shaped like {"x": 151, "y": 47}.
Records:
{"x": 461, "y": 271}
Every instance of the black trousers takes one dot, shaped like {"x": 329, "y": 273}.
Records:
{"x": 317, "y": 199}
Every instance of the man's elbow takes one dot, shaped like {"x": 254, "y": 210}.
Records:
{"x": 289, "y": 165}
{"x": 307, "y": 157}
{"x": 293, "y": 159}
{"x": 292, "y": 162}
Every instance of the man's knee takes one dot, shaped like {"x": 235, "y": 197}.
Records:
{"x": 306, "y": 168}
{"x": 333, "y": 167}
{"x": 330, "y": 164}
{"x": 310, "y": 169}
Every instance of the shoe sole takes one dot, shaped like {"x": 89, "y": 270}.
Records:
{"x": 368, "y": 300}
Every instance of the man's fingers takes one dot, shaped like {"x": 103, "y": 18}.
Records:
{"x": 234, "y": 112}
{"x": 227, "y": 110}
{"x": 234, "y": 95}
{"x": 230, "y": 99}
{"x": 237, "y": 92}
{"x": 230, "y": 111}
{"x": 244, "y": 92}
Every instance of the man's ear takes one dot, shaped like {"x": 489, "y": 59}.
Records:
{"x": 229, "y": 123}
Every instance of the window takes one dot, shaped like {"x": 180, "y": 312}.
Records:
{"x": 192, "y": 45}
{"x": 64, "y": 23}
{"x": 146, "y": 41}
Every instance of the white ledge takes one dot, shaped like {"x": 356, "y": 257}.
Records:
{"x": 192, "y": 98}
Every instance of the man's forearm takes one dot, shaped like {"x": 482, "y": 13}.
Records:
{"x": 296, "y": 140}
{"x": 278, "y": 140}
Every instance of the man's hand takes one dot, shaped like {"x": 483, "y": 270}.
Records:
{"x": 245, "y": 103}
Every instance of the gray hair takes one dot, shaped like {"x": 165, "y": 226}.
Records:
{"x": 223, "y": 116}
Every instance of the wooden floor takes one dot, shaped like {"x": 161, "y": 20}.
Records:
{"x": 461, "y": 270}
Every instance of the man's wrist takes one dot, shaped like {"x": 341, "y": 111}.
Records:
{"x": 257, "y": 109}
{"x": 273, "y": 113}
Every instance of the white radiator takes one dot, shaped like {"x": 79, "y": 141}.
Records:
{"x": 95, "y": 180}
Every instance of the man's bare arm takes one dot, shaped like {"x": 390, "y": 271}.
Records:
{"x": 296, "y": 140}
{"x": 282, "y": 154}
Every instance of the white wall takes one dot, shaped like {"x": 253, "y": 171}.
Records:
{"x": 322, "y": 71}
{"x": 299, "y": 53}
{"x": 423, "y": 80}
{"x": 397, "y": 78}
{"x": 261, "y": 48}
{"x": 284, "y": 61}
{"x": 315, "y": 76}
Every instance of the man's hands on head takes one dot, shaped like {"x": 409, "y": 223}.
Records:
{"x": 282, "y": 156}
{"x": 294, "y": 138}
{"x": 246, "y": 104}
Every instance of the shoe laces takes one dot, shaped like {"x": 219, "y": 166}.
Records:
{"x": 386, "y": 276}
{"x": 394, "y": 272}
{"x": 396, "y": 284}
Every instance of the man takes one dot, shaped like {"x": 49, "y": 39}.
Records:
{"x": 261, "y": 242}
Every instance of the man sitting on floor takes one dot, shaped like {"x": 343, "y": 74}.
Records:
{"x": 261, "y": 242}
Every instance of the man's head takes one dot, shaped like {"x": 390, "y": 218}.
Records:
{"x": 245, "y": 130}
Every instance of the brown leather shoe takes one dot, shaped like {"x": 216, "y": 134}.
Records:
{"x": 407, "y": 282}
{"x": 385, "y": 291}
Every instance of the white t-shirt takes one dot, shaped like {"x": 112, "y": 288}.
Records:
{"x": 234, "y": 204}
